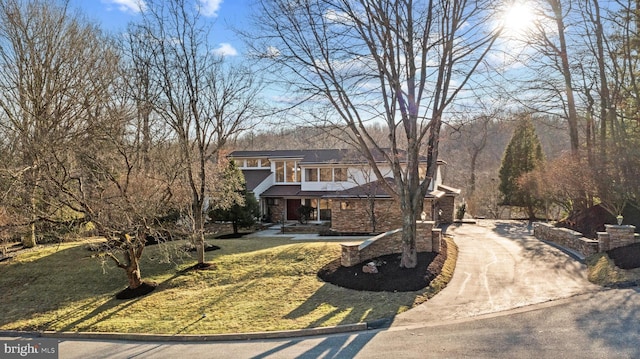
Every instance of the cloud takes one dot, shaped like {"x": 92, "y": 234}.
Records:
{"x": 130, "y": 6}
{"x": 209, "y": 7}
{"x": 225, "y": 49}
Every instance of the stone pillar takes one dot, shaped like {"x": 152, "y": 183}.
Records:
{"x": 436, "y": 240}
{"x": 423, "y": 236}
{"x": 350, "y": 255}
{"x": 603, "y": 241}
{"x": 620, "y": 236}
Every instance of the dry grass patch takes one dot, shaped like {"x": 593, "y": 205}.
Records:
{"x": 258, "y": 284}
{"x": 602, "y": 271}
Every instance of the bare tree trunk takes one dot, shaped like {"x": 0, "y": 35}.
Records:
{"x": 409, "y": 251}
{"x": 198, "y": 231}
{"x": 566, "y": 73}
{"x": 30, "y": 238}
{"x": 133, "y": 270}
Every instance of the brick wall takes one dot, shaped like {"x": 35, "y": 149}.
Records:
{"x": 356, "y": 218}
{"x": 428, "y": 239}
{"x": 565, "y": 238}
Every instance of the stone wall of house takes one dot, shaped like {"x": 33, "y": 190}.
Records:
{"x": 616, "y": 236}
{"x": 429, "y": 239}
{"x": 448, "y": 207}
{"x": 353, "y": 215}
{"x": 566, "y": 238}
{"x": 276, "y": 210}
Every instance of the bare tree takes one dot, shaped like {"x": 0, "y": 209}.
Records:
{"x": 399, "y": 63}
{"x": 205, "y": 101}
{"x": 123, "y": 194}
{"x": 50, "y": 85}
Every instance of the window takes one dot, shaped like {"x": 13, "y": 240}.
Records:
{"x": 339, "y": 174}
{"x": 279, "y": 171}
{"x": 291, "y": 171}
{"x": 326, "y": 175}
{"x": 252, "y": 162}
{"x": 287, "y": 171}
{"x": 311, "y": 175}
{"x": 325, "y": 209}
{"x": 345, "y": 205}
{"x": 265, "y": 162}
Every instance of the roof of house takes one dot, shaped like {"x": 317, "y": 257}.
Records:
{"x": 254, "y": 177}
{"x": 371, "y": 189}
{"x": 282, "y": 191}
{"x": 319, "y": 156}
{"x": 292, "y": 191}
{"x": 378, "y": 190}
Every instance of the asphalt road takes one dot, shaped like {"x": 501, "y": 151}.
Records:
{"x": 511, "y": 297}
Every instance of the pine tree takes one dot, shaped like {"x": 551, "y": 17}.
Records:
{"x": 523, "y": 155}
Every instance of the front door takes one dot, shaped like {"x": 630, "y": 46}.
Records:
{"x": 292, "y": 209}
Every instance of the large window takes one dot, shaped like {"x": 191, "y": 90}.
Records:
{"x": 311, "y": 175}
{"x": 252, "y": 162}
{"x": 326, "y": 174}
{"x": 287, "y": 171}
{"x": 265, "y": 163}
{"x": 279, "y": 171}
{"x": 339, "y": 174}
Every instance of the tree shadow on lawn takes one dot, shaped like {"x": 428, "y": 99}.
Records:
{"x": 372, "y": 296}
{"x": 359, "y": 306}
{"x": 59, "y": 280}
{"x": 113, "y": 306}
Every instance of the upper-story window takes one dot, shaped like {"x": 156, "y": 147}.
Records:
{"x": 326, "y": 174}
{"x": 311, "y": 175}
{"x": 254, "y": 163}
{"x": 287, "y": 171}
{"x": 340, "y": 174}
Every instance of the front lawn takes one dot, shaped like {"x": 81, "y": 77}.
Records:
{"x": 258, "y": 284}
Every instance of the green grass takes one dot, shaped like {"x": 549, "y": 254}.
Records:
{"x": 259, "y": 284}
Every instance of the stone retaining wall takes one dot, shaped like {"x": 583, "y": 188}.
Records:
{"x": 428, "y": 239}
{"x": 616, "y": 236}
{"x": 566, "y": 238}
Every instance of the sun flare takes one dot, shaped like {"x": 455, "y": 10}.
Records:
{"x": 518, "y": 19}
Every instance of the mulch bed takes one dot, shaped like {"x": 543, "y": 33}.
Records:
{"x": 144, "y": 289}
{"x": 627, "y": 257}
{"x": 207, "y": 248}
{"x": 200, "y": 266}
{"x": 390, "y": 277}
{"x": 232, "y": 235}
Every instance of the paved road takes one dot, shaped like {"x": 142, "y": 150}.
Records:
{"x": 500, "y": 268}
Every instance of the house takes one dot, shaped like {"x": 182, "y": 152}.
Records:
{"x": 340, "y": 186}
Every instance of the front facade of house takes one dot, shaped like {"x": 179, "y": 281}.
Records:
{"x": 337, "y": 184}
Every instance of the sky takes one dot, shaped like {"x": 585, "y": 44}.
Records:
{"x": 114, "y": 15}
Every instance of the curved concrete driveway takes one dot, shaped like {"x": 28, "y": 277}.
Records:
{"x": 501, "y": 266}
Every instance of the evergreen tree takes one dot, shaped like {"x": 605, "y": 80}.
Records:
{"x": 241, "y": 215}
{"x": 523, "y": 155}
{"x": 241, "y": 207}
